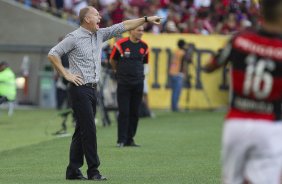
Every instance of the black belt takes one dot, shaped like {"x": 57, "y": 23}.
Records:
{"x": 92, "y": 85}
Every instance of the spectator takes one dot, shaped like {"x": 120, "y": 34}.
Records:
{"x": 7, "y": 82}
{"x": 8, "y": 90}
{"x": 230, "y": 25}
{"x": 176, "y": 72}
{"x": 117, "y": 12}
{"x": 78, "y": 5}
{"x": 106, "y": 3}
{"x": 202, "y": 3}
{"x": 114, "y": 11}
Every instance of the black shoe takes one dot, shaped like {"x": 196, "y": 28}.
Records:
{"x": 60, "y": 132}
{"x": 132, "y": 144}
{"x": 97, "y": 177}
{"x": 79, "y": 177}
{"x": 120, "y": 144}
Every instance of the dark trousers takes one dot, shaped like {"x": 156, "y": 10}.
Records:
{"x": 3, "y": 99}
{"x": 129, "y": 99}
{"x": 61, "y": 96}
{"x": 84, "y": 141}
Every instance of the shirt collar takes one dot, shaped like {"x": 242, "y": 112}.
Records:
{"x": 85, "y": 30}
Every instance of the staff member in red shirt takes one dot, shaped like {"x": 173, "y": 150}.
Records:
{"x": 127, "y": 59}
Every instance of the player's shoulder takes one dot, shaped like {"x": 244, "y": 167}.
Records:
{"x": 245, "y": 33}
{"x": 144, "y": 43}
{"x": 258, "y": 33}
{"x": 122, "y": 40}
{"x": 258, "y": 36}
{"x": 249, "y": 34}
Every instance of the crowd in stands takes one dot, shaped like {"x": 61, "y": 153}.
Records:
{"x": 179, "y": 16}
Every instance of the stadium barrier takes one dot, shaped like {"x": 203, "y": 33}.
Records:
{"x": 201, "y": 90}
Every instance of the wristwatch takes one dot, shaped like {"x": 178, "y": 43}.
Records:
{"x": 146, "y": 19}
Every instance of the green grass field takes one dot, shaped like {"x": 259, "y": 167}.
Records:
{"x": 176, "y": 148}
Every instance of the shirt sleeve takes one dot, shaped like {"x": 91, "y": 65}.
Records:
{"x": 112, "y": 31}
{"x": 222, "y": 57}
{"x": 146, "y": 58}
{"x": 63, "y": 47}
{"x": 115, "y": 54}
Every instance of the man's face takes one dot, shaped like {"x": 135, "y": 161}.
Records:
{"x": 137, "y": 33}
{"x": 93, "y": 18}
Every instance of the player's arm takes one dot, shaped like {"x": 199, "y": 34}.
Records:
{"x": 134, "y": 23}
{"x": 115, "y": 55}
{"x": 114, "y": 65}
{"x": 146, "y": 57}
{"x": 184, "y": 62}
{"x": 219, "y": 60}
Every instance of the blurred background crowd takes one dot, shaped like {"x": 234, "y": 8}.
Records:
{"x": 179, "y": 16}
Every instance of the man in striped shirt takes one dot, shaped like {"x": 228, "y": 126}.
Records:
{"x": 84, "y": 47}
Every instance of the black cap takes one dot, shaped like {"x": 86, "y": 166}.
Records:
{"x": 181, "y": 43}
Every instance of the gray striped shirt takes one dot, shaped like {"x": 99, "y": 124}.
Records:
{"x": 84, "y": 50}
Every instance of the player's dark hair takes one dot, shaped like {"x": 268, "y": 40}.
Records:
{"x": 181, "y": 43}
{"x": 271, "y": 9}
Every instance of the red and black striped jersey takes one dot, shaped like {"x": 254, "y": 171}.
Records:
{"x": 256, "y": 74}
{"x": 130, "y": 58}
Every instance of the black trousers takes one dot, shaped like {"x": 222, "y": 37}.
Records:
{"x": 129, "y": 99}
{"x": 84, "y": 141}
{"x": 61, "y": 96}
